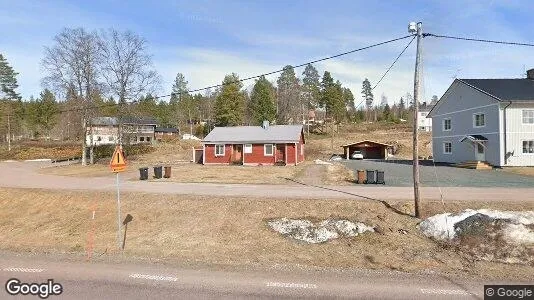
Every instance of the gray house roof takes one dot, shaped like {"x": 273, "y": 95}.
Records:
{"x": 255, "y": 134}
{"x": 104, "y": 121}
{"x": 139, "y": 120}
{"x": 113, "y": 121}
{"x": 504, "y": 89}
{"x": 166, "y": 129}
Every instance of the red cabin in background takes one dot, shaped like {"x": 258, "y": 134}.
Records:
{"x": 254, "y": 145}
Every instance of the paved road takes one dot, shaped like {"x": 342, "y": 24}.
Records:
{"x": 399, "y": 173}
{"x": 25, "y": 175}
{"x": 89, "y": 280}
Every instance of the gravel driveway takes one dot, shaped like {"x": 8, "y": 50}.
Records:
{"x": 399, "y": 173}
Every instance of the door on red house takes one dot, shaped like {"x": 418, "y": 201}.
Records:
{"x": 281, "y": 153}
{"x": 237, "y": 154}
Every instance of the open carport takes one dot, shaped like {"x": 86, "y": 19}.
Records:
{"x": 369, "y": 149}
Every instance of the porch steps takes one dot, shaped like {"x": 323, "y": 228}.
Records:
{"x": 478, "y": 165}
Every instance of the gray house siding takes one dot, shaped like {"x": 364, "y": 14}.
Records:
{"x": 516, "y": 133}
{"x": 459, "y": 104}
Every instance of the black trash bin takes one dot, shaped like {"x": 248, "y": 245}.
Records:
{"x": 143, "y": 173}
{"x": 380, "y": 177}
{"x": 158, "y": 172}
{"x": 370, "y": 177}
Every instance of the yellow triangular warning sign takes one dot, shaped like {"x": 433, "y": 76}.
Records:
{"x": 117, "y": 163}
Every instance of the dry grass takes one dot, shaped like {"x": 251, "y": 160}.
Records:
{"x": 338, "y": 174}
{"x": 234, "y": 173}
{"x": 231, "y": 232}
{"x": 528, "y": 171}
{"x": 190, "y": 172}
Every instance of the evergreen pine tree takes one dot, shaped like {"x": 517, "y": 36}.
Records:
{"x": 261, "y": 106}
{"x": 311, "y": 86}
{"x": 8, "y": 81}
{"x": 230, "y": 103}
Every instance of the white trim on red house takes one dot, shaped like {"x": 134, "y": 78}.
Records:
{"x": 296, "y": 154}
{"x": 285, "y": 155}
{"x": 272, "y": 150}
{"x": 203, "y": 154}
{"x": 224, "y": 150}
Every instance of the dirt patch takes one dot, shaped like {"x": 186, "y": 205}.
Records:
{"x": 339, "y": 174}
{"x": 528, "y": 171}
{"x": 233, "y": 231}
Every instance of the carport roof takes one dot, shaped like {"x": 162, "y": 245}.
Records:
{"x": 366, "y": 141}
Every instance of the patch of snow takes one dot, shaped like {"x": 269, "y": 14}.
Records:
{"x": 321, "y": 162}
{"x": 442, "y": 226}
{"x": 518, "y": 234}
{"x": 307, "y": 231}
{"x": 39, "y": 160}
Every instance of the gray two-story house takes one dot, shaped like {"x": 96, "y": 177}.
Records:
{"x": 487, "y": 120}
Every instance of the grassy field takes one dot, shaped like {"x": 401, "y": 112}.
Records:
{"x": 216, "y": 231}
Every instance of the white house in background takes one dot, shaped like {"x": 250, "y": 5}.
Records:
{"x": 489, "y": 120}
{"x": 104, "y": 130}
{"x": 424, "y": 123}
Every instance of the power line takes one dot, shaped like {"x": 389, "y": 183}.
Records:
{"x": 396, "y": 59}
{"x": 388, "y": 69}
{"x": 294, "y": 67}
{"x": 477, "y": 40}
{"x": 241, "y": 80}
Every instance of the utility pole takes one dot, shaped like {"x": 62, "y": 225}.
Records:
{"x": 417, "y": 29}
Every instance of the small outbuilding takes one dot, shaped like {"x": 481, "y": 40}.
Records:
{"x": 369, "y": 149}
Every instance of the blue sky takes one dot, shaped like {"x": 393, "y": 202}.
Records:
{"x": 205, "y": 40}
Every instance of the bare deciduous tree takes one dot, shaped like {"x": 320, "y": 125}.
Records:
{"x": 72, "y": 63}
{"x": 126, "y": 67}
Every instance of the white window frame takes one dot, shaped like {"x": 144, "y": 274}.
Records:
{"x": 443, "y": 124}
{"x": 302, "y": 149}
{"x": 223, "y": 149}
{"x": 265, "y": 149}
{"x": 523, "y": 147}
{"x": 530, "y": 111}
{"x": 247, "y": 148}
{"x": 445, "y": 148}
{"x": 475, "y": 120}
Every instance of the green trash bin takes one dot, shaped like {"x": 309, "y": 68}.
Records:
{"x": 143, "y": 173}
{"x": 158, "y": 172}
{"x": 380, "y": 177}
{"x": 370, "y": 177}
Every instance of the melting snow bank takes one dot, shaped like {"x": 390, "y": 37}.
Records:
{"x": 307, "y": 231}
{"x": 506, "y": 236}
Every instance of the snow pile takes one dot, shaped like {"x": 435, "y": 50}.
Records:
{"x": 307, "y": 231}
{"x": 446, "y": 226}
{"x": 502, "y": 236}
{"x": 321, "y": 162}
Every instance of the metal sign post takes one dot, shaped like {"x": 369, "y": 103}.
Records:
{"x": 118, "y": 211}
{"x": 118, "y": 164}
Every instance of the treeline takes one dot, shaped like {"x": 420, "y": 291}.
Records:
{"x": 87, "y": 75}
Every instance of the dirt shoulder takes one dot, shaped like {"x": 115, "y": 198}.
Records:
{"x": 528, "y": 171}
{"x": 234, "y": 231}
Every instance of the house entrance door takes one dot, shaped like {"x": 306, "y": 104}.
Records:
{"x": 480, "y": 152}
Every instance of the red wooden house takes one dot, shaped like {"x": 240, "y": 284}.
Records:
{"x": 254, "y": 145}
